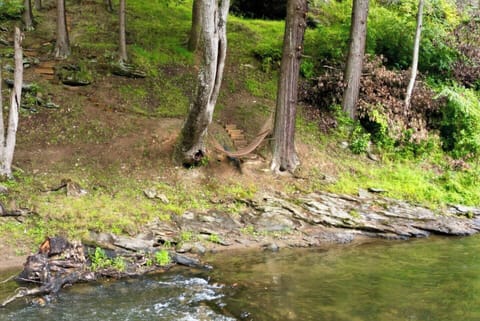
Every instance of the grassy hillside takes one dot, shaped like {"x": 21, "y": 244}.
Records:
{"x": 115, "y": 137}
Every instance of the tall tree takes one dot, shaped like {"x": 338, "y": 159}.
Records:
{"x": 7, "y": 143}
{"x": 38, "y": 5}
{"x": 356, "y": 52}
{"x": 416, "y": 49}
{"x": 191, "y": 145}
{"x": 196, "y": 29}
{"x": 62, "y": 47}
{"x": 108, "y": 5}
{"x": 122, "y": 35}
{"x": 28, "y": 15}
{"x": 284, "y": 154}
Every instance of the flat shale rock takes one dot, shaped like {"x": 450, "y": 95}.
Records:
{"x": 376, "y": 216}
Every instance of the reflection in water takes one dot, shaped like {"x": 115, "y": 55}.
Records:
{"x": 422, "y": 280}
{"x": 433, "y": 279}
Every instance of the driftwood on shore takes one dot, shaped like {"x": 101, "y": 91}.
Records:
{"x": 59, "y": 263}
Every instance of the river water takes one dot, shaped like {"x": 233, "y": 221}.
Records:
{"x": 434, "y": 279}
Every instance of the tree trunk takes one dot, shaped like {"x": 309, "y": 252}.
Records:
{"x": 284, "y": 154}
{"x": 28, "y": 15}
{"x": 2, "y": 125}
{"x": 191, "y": 147}
{"x": 356, "y": 52}
{"x": 123, "y": 42}
{"x": 108, "y": 4}
{"x": 62, "y": 47}
{"x": 195, "y": 32}
{"x": 8, "y": 146}
{"x": 416, "y": 49}
{"x": 38, "y": 5}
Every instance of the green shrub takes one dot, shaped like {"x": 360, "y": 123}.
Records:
{"x": 460, "y": 125}
{"x": 391, "y": 30}
{"x": 307, "y": 69}
{"x": 390, "y": 35}
{"x": 376, "y": 123}
{"x": 100, "y": 260}
{"x": 162, "y": 257}
{"x": 10, "y": 9}
{"x": 359, "y": 140}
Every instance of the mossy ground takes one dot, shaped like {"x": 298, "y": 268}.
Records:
{"x": 115, "y": 137}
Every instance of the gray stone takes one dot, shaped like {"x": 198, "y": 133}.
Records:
{"x": 198, "y": 248}
{"x": 132, "y": 244}
{"x": 150, "y": 193}
{"x": 273, "y": 247}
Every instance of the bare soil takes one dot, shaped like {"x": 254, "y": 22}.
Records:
{"x": 96, "y": 128}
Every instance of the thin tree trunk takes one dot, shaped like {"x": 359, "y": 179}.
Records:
{"x": 416, "y": 49}
{"x": 2, "y": 125}
{"x": 38, "y": 5}
{"x": 108, "y": 5}
{"x": 28, "y": 15}
{"x": 9, "y": 146}
{"x": 284, "y": 154}
{"x": 195, "y": 32}
{"x": 62, "y": 47}
{"x": 191, "y": 146}
{"x": 123, "y": 42}
{"x": 356, "y": 52}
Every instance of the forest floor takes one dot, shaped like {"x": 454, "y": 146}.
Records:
{"x": 108, "y": 138}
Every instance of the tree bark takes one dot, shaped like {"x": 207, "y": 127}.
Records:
{"x": 356, "y": 52}
{"x": 123, "y": 42}
{"x": 108, "y": 5}
{"x": 62, "y": 47}
{"x": 8, "y": 146}
{"x": 284, "y": 154}
{"x": 191, "y": 147}
{"x": 38, "y": 5}
{"x": 416, "y": 49}
{"x": 2, "y": 125}
{"x": 195, "y": 32}
{"x": 28, "y": 15}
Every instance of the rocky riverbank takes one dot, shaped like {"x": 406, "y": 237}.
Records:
{"x": 310, "y": 220}
{"x": 269, "y": 221}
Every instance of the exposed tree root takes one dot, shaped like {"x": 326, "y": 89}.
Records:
{"x": 59, "y": 263}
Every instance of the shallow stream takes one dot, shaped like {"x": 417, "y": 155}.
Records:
{"x": 434, "y": 279}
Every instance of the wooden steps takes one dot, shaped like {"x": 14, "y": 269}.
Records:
{"x": 237, "y": 135}
{"x": 46, "y": 70}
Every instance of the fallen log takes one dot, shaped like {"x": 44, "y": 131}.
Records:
{"x": 59, "y": 263}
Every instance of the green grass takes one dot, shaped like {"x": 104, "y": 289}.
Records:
{"x": 414, "y": 181}
{"x": 161, "y": 34}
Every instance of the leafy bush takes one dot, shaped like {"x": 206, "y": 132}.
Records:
{"x": 376, "y": 123}
{"x": 100, "y": 260}
{"x": 391, "y": 30}
{"x": 307, "y": 69}
{"x": 329, "y": 41}
{"x": 359, "y": 141}
{"x": 162, "y": 257}
{"x": 10, "y": 9}
{"x": 460, "y": 126}
{"x": 391, "y": 36}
